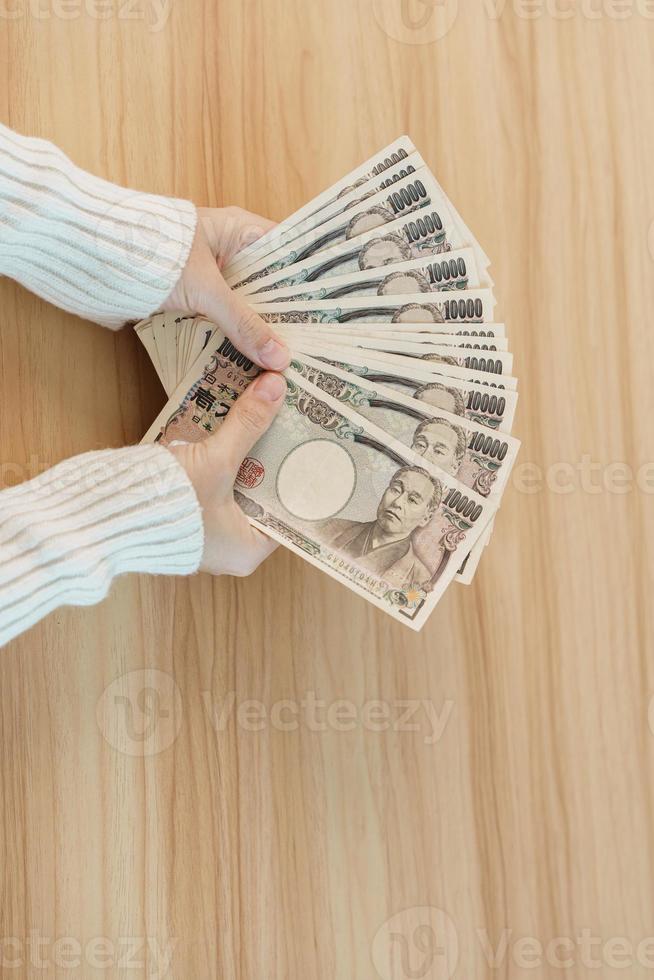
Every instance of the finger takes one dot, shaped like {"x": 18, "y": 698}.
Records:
{"x": 247, "y": 421}
{"x": 262, "y": 547}
{"x": 256, "y": 548}
{"x": 247, "y": 331}
{"x": 229, "y": 230}
{"x": 253, "y": 227}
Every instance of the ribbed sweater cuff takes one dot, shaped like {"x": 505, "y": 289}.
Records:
{"x": 103, "y": 252}
{"x": 67, "y": 534}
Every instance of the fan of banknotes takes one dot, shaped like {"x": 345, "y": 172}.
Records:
{"x": 389, "y": 458}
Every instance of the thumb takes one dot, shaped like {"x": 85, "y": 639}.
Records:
{"x": 247, "y": 331}
{"x": 250, "y": 417}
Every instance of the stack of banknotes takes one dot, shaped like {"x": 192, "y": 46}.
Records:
{"x": 389, "y": 458}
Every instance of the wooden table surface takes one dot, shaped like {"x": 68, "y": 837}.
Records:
{"x": 269, "y": 778}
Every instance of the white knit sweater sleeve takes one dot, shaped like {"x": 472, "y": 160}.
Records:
{"x": 110, "y": 255}
{"x": 103, "y": 252}
{"x": 65, "y": 535}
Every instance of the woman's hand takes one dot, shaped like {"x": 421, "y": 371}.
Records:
{"x": 220, "y": 234}
{"x": 231, "y": 545}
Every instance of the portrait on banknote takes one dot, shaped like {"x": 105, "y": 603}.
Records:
{"x": 385, "y": 545}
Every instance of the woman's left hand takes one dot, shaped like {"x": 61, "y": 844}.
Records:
{"x": 201, "y": 289}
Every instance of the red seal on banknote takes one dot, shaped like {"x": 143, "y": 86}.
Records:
{"x": 250, "y": 474}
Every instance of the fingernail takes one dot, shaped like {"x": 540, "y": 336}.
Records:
{"x": 270, "y": 387}
{"x": 252, "y": 236}
{"x": 276, "y": 355}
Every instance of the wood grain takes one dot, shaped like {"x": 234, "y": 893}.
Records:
{"x": 288, "y": 851}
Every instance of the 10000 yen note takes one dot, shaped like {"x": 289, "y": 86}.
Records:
{"x": 483, "y": 333}
{"x": 309, "y": 228}
{"x": 337, "y": 490}
{"x": 480, "y": 353}
{"x": 193, "y": 335}
{"x": 490, "y": 408}
{"x": 480, "y": 459}
{"x": 415, "y": 193}
{"x": 469, "y": 568}
{"x": 416, "y": 334}
{"x": 477, "y": 457}
{"x": 430, "y": 361}
{"x": 452, "y": 360}
{"x": 394, "y": 154}
{"x": 451, "y": 271}
{"x": 466, "y": 306}
{"x": 145, "y": 333}
{"x": 490, "y": 404}
{"x": 418, "y": 236}
{"x": 409, "y": 194}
